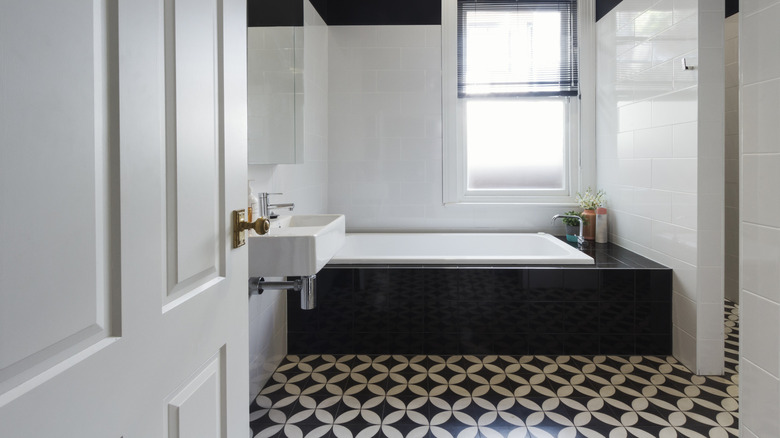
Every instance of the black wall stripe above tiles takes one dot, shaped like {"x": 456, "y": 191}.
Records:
{"x": 268, "y": 13}
{"x": 604, "y": 6}
{"x": 732, "y": 7}
{"x": 378, "y": 12}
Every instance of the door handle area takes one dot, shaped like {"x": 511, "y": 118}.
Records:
{"x": 240, "y": 226}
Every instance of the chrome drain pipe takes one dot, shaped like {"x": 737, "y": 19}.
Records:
{"x": 306, "y": 285}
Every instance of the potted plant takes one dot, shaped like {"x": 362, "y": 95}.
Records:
{"x": 590, "y": 201}
{"x": 572, "y": 225}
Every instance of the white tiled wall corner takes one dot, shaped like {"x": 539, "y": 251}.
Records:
{"x": 731, "y": 154}
{"x": 759, "y": 256}
{"x": 659, "y": 174}
{"x": 304, "y": 184}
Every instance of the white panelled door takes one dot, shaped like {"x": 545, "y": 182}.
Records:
{"x": 123, "y": 307}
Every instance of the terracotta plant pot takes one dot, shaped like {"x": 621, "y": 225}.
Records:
{"x": 589, "y": 229}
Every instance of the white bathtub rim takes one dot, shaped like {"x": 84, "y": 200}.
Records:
{"x": 573, "y": 255}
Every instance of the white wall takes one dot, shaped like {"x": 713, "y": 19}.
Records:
{"x": 760, "y": 220}
{"x": 385, "y": 169}
{"x": 305, "y": 185}
{"x": 731, "y": 56}
{"x": 659, "y": 139}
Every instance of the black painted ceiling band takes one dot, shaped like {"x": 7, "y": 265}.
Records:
{"x": 732, "y": 7}
{"x": 604, "y": 6}
{"x": 379, "y": 12}
{"x": 268, "y": 13}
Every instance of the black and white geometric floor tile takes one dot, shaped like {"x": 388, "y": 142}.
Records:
{"x": 356, "y": 396}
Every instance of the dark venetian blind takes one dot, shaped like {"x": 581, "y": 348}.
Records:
{"x": 517, "y": 48}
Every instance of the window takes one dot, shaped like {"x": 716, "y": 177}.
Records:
{"x": 512, "y": 106}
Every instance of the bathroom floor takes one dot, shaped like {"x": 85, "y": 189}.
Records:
{"x": 499, "y": 396}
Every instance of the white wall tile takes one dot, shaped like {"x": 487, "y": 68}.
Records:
{"x": 408, "y": 81}
{"x": 402, "y": 36}
{"x": 678, "y": 242}
{"x": 684, "y": 347}
{"x": 684, "y": 314}
{"x": 759, "y": 259}
{"x": 684, "y": 138}
{"x": 758, "y": 45}
{"x": 760, "y": 106}
{"x": 760, "y": 327}
{"x": 653, "y": 142}
{"x": 760, "y": 180}
{"x": 634, "y": 116}
{"x": 760, "y": 397}
{"x": 677, "y": 175}
{"x": 677, "y": 107}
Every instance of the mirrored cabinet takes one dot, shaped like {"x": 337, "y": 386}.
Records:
{"x": 275, "y": 83}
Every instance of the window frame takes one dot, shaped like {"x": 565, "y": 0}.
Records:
{"x": 580, "y": 150}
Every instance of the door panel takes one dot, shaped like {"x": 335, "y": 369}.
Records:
{"x": 193, "y": 143}
{"x": 123, "y": 309}
{"x": 59, "y": 295}
{"x": 197, "y": 410}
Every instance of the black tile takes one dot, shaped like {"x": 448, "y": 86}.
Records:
{"x": 302, "y": 343}
{"x": 616, "y": 285}
{"x": 370, "y": 314}
{"x": 441, "y": 343}
{"x": 337, "y": 280}
{"x": 581, "y": 343}
{"x": 654, "y": 285}
{"x": 514, "y": 344}
{"x": 369, "y": 283}
{"x": 475, "y": 316}
{"x": 653, "y": 317}
{"x": 545, "y": 343}
{"x": 581, "y": 317}
{"x": 616, "y": 317}
{"x": 441, "y": 316}
{"x": 335, "y": 342}
{"x": 406, "y": 284}
{"x": 440, "y": 284}
{"x": 581, "y": 284}
{"x": 509, "y": 317}
{"x": 335, "y": 315}
{"x": 299, "y": 319}
{"x": 616, "y": 344}
{"x": 369, "y": 342}
{"x": 654, "y": 344}
{"x": 545, "y": 317}
{"x": 545, "y": 285}
{"x": 512, "y": 284}
{"x": 497, "y": 285}
{"x": 405, "y": 343}
{"x": 406, "y": 315}
{"x": 472, "y": 342}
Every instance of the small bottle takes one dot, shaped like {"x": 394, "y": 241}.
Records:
{"x": 254, "y": 205}
{"x": 601, "y": 225}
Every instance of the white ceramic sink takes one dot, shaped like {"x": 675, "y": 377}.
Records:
{"x": 296, "y": 245}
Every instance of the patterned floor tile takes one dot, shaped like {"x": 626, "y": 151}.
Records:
{"x": 463, "y": 396}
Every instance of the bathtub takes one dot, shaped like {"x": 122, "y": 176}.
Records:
{"x": 458, "y": 249}
{"x": 514, "y": 294}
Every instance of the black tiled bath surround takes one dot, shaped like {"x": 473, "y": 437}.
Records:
{"x": 620, "y": 305}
